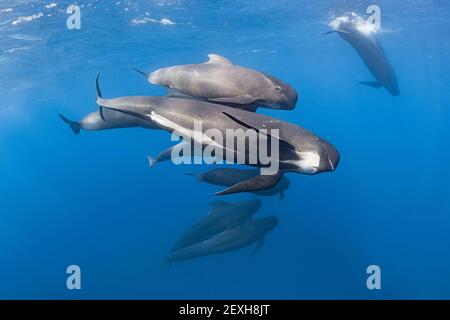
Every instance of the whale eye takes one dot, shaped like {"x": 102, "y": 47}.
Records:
{"x": 278, "y": 88}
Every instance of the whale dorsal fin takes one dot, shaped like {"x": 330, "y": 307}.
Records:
{"x": 215, "y": 58}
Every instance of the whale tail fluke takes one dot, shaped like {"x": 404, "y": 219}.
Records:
{"x": 75, "y": 126}
{"x": 151, "y": 161}
{"x": 199, "y": 177}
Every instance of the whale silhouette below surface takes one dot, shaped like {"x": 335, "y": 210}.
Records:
{"x": 252, "y": 231}
{"x": 223, "y": 216}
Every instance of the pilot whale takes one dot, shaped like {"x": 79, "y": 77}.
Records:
{"x": 252, "y": 231}
{"x": 231, "y": 176}
{"x": 164, "y": 155}
{"x": 222, "y": 217}
{"x": 110, "y": 120}
{"x": 369, "y": 49}
{"x": 220, "y": 81}
{"x": 300, "y": 151}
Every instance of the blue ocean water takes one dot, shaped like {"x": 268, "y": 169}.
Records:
{"x": 91, "y": 200}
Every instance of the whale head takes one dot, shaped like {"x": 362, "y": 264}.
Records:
{"x": 163, "y": 76}
{"x": 278, "y": 95}
{"x": 312, "y": 155}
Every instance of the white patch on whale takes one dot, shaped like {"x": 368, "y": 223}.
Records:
{"x": 308, "y": 163}
{"x": 198, "y": 137}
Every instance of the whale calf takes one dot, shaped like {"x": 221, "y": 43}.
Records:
{"x": 164, "y": 155}
{"x": 300, "y": 151}
{"x": 110, "y": 120}
{"x": 363, "y": 40}
{"x": 230, "y": 176}
{"x": 252, "y": 231}
{"x": 222, "y": 217}
{"x": 220, "y": 81}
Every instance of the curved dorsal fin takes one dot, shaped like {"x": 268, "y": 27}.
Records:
{"x": 215, "y": 58}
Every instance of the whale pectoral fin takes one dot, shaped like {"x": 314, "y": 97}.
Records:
{"x": 260, "y": 182}
{"x": 259, "y": 244}
{"x": 243, "y": 99}
{"x": 249, "y": 126}
{"x": 328, "y": 32}
{"x": 373, "y": 84}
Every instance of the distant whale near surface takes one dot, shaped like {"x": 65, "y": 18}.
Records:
{"x": 369, "y": 49}
{"x": 220, "y": 81}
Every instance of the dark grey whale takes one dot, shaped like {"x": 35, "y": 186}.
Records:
{"x": 252, "y": 231}
{"x": 164, "y": 155}
{"x": 300, "y": 151}
{"x": 371, "y": 52}
{"x": 227, "y": 177}
{"x": 111, "y": 120}
{"x": 223, "y": 216}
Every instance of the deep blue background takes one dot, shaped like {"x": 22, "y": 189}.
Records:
{"x": 91, "y": 199}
